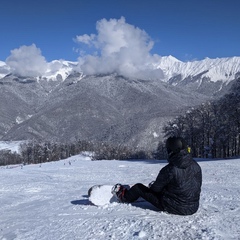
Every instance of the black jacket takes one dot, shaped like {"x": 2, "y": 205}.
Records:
{"x": 179, "y": 184}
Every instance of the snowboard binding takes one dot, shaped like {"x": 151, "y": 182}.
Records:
{"x": 118, "y": 191}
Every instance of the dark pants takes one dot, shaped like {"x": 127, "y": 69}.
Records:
{"x": 140, "y": 190}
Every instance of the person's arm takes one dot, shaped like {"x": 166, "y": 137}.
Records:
{"x": 163, "y": 178}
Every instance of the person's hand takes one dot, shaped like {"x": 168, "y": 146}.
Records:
{"x": 150, "y": 184}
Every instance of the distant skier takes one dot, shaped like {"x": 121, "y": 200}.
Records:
{"x": 177, "y": 187}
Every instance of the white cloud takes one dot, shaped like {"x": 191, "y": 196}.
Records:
{"x": 120, "y": 48}
{"x": 27, "y": 61}
{"x": 85, "y": 38}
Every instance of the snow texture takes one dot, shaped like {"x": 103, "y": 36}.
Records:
{"x": 49, "y": 201}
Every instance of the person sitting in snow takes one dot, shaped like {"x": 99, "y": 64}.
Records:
{"x": 177, "y": 187}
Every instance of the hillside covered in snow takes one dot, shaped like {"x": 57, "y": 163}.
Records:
{"x": 49, "y": 201}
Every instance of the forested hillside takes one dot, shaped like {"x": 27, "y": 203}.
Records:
{"x": 213, "y": 128}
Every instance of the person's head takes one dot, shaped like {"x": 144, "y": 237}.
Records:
{"x": 175, "y": 145}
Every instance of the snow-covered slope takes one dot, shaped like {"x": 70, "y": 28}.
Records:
{"x": 59, "y": 69}
{"x": 49, "y": 201}
{"x": 13, "y": 146}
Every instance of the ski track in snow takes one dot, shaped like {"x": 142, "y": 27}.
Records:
{"x": 49, "y": 201}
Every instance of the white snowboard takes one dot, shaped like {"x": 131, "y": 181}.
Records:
{"x": 101, "y": 195}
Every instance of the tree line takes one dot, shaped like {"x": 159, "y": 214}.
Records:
{"x": 213, "y": 128}
{"x": 34, "y": 152}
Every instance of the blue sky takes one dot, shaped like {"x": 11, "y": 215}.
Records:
{"x": 186, "y": 29}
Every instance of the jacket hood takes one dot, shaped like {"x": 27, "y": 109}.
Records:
{"x": 181, "y": 159}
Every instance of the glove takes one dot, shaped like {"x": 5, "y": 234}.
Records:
{"x": 150, "y": 184}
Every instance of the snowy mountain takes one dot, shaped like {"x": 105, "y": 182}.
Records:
{"x": 211, "y": 77}
{"x": 59, "y": 70}
{"x": 175, "y": 71}
{"x": 97, "y": 108}
{"x": 220, "y": 69}
{"x": 63, "y": 104}
{"x": 49, "y": 201}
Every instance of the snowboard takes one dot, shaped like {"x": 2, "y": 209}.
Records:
{"x": 100, "y": 195}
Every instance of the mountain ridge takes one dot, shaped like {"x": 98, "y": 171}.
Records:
{"x": 107, "y": 108}
{"x": 216, "y": 69}
{"x": 64, "y": 104}
{"x": 223, "y": 69}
